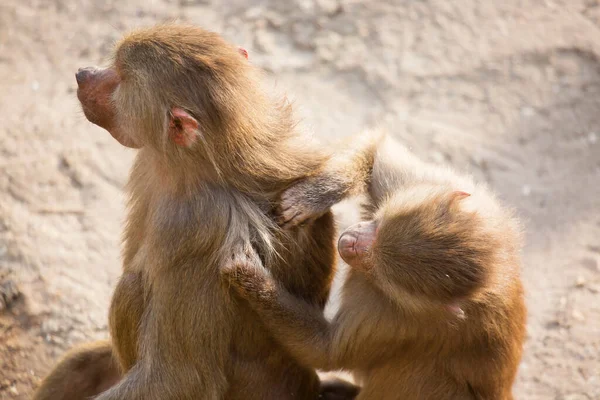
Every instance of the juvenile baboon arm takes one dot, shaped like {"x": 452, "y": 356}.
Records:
{"x": 375, "y": 164}
{"x": 299, "y": 326}
{"x": 345, "y": 175}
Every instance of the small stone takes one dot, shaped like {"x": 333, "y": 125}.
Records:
{"x": 591, "y": 264}
{"x": 329, "y": 7}
{"x": 526, "y": 190}
{"x": 260, "y": 24}
{"x": 328, "y": 46}
{"x": 438, "y": 157}
{"x": 575, "y": 396}
{"x": 592, "y": 137}
{"x": 9, "y": 292}
{"x": 193, "y": 2}
{"x": 264, "y": 41}
{"x": 13, "y": 390}
{"x": 254, "y": 12}
{"x": 304, "y": 34}
{"x": 591, "y": 247}
{"x": 578, "y": 315}
{"x": 527, "y": 112}
{"x": 307, "y": 5}
{"x": 580, "y": 282}
{"x": 363, "y": 29}
{"x": 35, "y": 86}
{"x": 50, "y": 326}
{"x": 562, "y": 302}
{"x": 553, "y": 324}
{"x": 274, "y": 19}
{"x": 57, "y": 340}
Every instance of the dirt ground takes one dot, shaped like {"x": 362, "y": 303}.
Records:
{"x": 507, "y": 90}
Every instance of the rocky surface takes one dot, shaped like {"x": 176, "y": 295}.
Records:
{"x": 505, "y": 90}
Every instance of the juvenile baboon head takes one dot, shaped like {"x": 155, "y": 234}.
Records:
{"x": 424, "y": 243}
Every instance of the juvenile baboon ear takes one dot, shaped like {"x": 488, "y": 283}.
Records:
{"x": 449, "y": 201}
{"x": 458, "y": 195}
{"x": 183, "y": 128}
{"x": 455, "y": 196}
{"x": 243, "y": 52}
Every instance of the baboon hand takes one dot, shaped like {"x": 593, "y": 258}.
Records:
{"x": 246, "y": 274}
{"x": 305, "y": 201}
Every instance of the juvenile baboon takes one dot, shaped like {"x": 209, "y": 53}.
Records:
{"x": 432, "y": 307}
{"x": 214, "y": 155}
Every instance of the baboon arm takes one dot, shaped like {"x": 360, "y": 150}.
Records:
{"x": 346, "y": 174}
{"x": 300, "y": 327}
{"x": 296, "y": 324}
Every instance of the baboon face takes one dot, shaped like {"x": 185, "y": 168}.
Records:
{"x": 165, "y": 85}
{"x": 95, "y": 89}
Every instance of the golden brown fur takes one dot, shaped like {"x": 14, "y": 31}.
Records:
{"x": 215, "y": 154}
{"x": 432, "y": 307}
{"x": 90, "y": 369}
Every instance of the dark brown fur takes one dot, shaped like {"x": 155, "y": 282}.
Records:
{"x": 432, "y": 307}
{"x": 215, "y": 154}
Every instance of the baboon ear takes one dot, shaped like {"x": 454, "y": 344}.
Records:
{"x": 459, "y": 195}
{"x": 183, "y": 128}
{"x": 450, "y": 200}
{"x": 243, "y": 52}
{"x": 455, "y": 196}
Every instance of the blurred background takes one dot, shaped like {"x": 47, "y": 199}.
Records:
{"x": 507, "y": 90}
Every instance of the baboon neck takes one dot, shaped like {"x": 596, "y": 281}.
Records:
{"x": 264, "y": 154}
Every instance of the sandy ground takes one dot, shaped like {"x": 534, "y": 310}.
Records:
{"x": 507, "y": 90}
